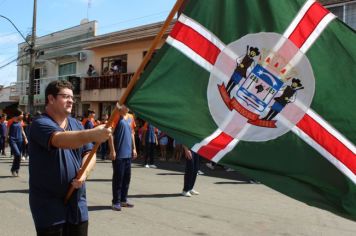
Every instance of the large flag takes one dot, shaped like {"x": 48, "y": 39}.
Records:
{"x": 266, "y": 87}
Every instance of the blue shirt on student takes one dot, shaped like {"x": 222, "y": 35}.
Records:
{"x": 89, "y": 124}
{"x": 3, "y": 129}
{"x": 123, "y": 139}
{"x": 15, "y": 132}
{"x": 150, "y": 135}
{"x": 51, "y": 172}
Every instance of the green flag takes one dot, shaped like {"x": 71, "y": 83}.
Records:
{"x": 265, "y": 87}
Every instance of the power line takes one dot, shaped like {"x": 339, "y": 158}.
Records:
{"x": 3, "y": 66}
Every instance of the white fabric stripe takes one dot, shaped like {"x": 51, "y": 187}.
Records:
{"x": 190, "y": 53}
{"x": 216, "y": 133}
{"x": 298, "y": 17}
{"x": 339, "y": 165}
{"x": 207, "y": 140}
{"x": 332, "y": 130}
{"x": 223, "y": 152}
{"x": 201, "y": 30}
{"x": 317, "y": 31}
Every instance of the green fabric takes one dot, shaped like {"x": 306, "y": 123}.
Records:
{"x": 172, "y": 95}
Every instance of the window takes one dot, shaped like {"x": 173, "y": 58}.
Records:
{"x": 345, "y": 12}
{"x": 114, "y": 64}
{"x": 67, "y": 69}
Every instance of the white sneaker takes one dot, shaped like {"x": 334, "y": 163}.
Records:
{"x": 229, "y": 169}
{"x": 153, "y": 166}
{"x": 23, "y": 158}
{"x": 186, "y": 194}
{"x": 193, "y": 192}
{"x": 210, "y": 166}
{"x": 147, "y": 166}
{"x": 200, "y": 172}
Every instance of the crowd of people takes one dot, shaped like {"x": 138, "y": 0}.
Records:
{"x": 58, "y": 146}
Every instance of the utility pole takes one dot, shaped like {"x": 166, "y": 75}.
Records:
{"x": 32, "y": 61}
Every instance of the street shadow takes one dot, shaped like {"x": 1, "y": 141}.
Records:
{"x": 99, "y": 208}
{"x": 25, "y": 191}
{"x": 98, "y": 180}
{"x": 6, "y": 177}
{"x": 232, "y": 182}
{"x": 169, "y": 174}
{"x": 160, "y": 195}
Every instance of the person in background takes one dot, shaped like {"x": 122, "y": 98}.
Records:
{"x": 163, "y": 142}
{"x": 58, "y": 148}
{"x": 17, "y": 139}
{"x": 122, "y": 150}
{"x": 3, "y": 132}
{"x": 191, "y": 171}
{"x": 104, "y": 145}
{"x": 26, "y": 128}
{"x": 91, "y": 71}
{"x": 177, "y": 150}
{"x": 89, "y": 122}
{"x": 149, "y": 141}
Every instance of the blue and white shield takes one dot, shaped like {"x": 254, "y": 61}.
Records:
{"x": 259, "y": 88}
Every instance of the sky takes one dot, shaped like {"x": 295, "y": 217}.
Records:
{"x": 55, "y": 15}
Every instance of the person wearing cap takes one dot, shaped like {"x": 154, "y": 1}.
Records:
{"x": 287, "y": 96}
{"x": 240, "y": 71}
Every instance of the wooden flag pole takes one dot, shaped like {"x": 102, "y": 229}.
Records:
{"x": 84, "y": 168}
{"x": 129, "y": 88}
{"x": 148, "y": 56}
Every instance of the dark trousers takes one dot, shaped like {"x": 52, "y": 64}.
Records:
{"x": 103, "y": 150}
{"x": 66, "y": 229}
{"x": 121, "y": 179}
{"x": 16, "y": 148}
{"x": 191, "y": 171}
{"x": 149, "y": 153}
{"x": 2, "y": 145}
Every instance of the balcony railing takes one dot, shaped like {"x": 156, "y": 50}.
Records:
{"x": 108, "y": 81}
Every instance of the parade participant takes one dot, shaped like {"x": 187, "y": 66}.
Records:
{"x": 122, "y": 149}
{"x": 17, "y": 139}
{"x": 89, "y": 122}
{"x": 191, "y": 171}
{"x": 58, "y": 147}
{"x": 149, "y": 141}
{"x": 3, "y": 131}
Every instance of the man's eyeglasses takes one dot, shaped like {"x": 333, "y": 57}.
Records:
{"x": 67, "y": 96}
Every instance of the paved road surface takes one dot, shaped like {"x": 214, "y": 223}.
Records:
{"x": 227, "y": 206}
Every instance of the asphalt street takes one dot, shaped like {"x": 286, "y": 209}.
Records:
{"x": 227, "y": 205}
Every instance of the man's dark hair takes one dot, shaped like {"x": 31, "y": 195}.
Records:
{"x": 54, "y": 87}
{"x": 3, "y": 115}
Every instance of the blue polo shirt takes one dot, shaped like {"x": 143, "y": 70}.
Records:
{"x": 123, "y": 139}
{"x": 150, "y": 135}
{"x": 3, "y": 129}
{"x": 51, "y": 172}
{"x": 89, "y": 124}
{"x": 15, "y": 132}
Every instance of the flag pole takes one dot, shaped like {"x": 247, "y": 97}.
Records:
{"x": 129, "y": 88}
{"x": 84, "y": 168}
{"x": 149, "y": 54}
